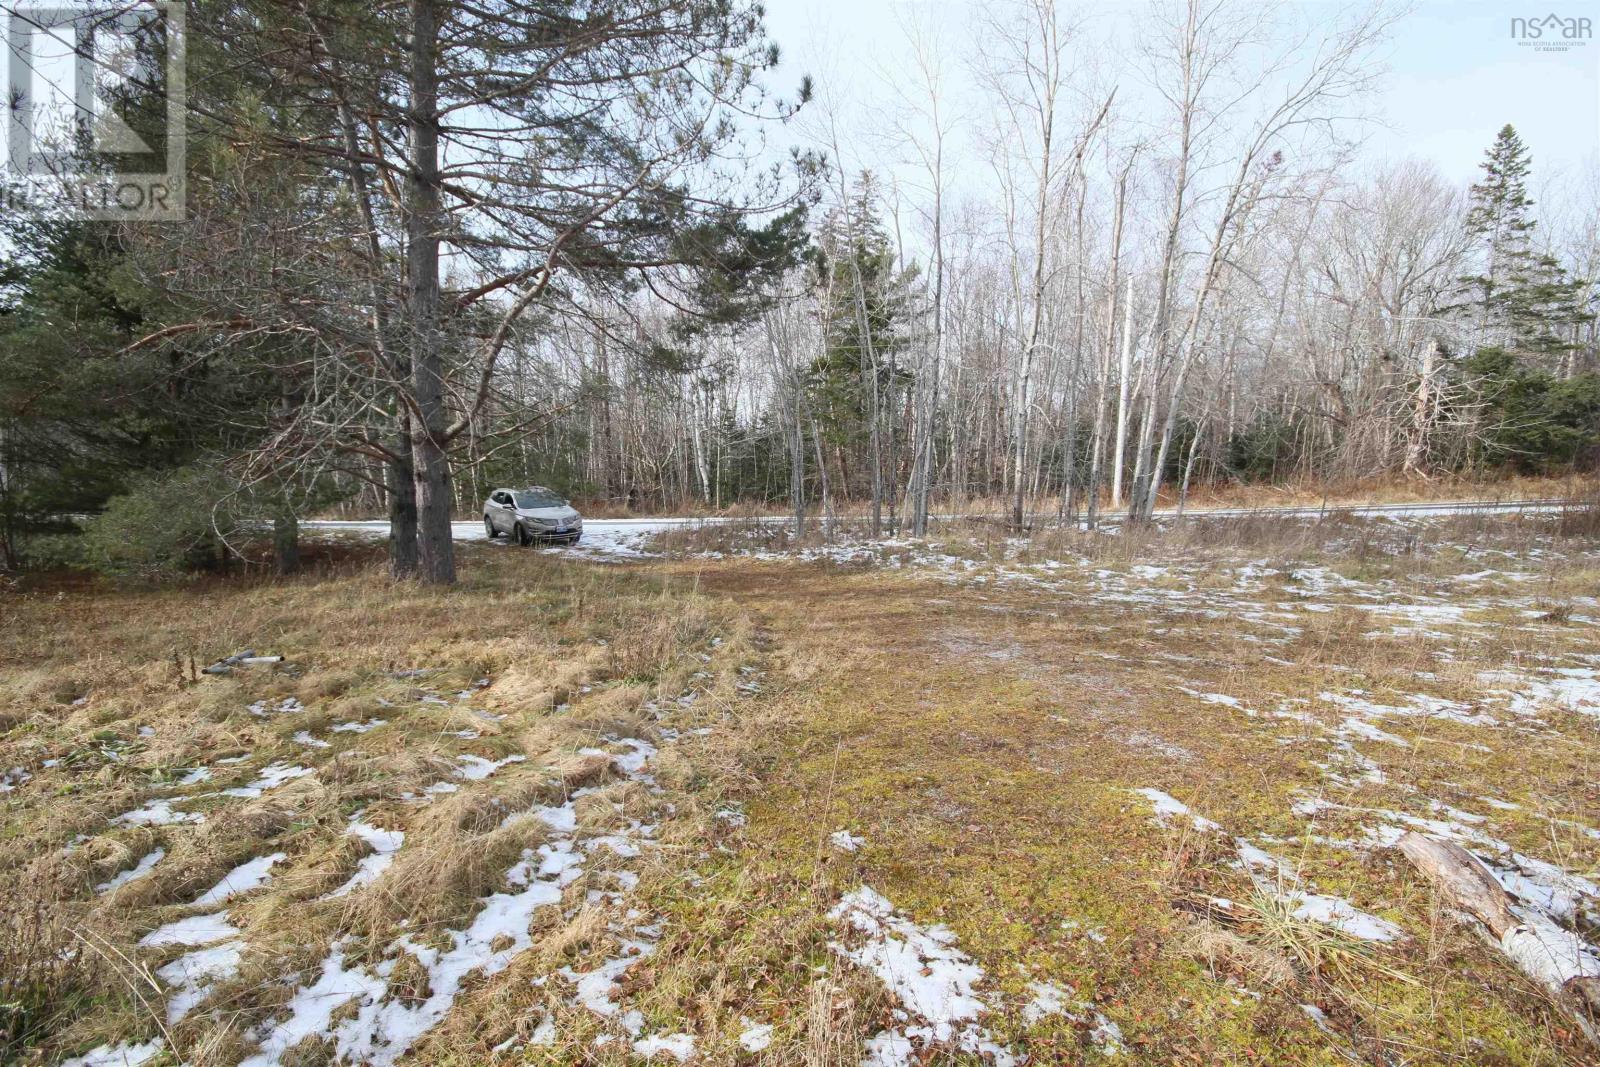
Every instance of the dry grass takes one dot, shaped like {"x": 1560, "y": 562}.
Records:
{"x": 981, "y": 729}
{"x": 104, "y": 715}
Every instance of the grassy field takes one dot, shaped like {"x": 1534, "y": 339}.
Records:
{"x": 545, "y": 738}
{"x": 1082, "y": 798}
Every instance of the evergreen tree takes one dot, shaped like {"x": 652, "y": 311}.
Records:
{"x": 867, "y": 307}
{"x": 1521, "y": 299}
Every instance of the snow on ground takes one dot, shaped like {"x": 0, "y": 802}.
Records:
{"x": 272, "y": 776}
{"x": 937, "y": 987}
{"x": 157, "y": 813}
{"x": 933, "y": 982}
{"x": 845, "y": 841}
{"x": 357, "y": 727}
{"x": 476, "y": 768}
{"x": 384, "y": 1026}
{"x": 138, "y": 870}
{"x": 384, "y": 845}
{"x": 124, "y": 1055}
{"x": 1166, "y": 805}
{"x": 191, "y": 976}
{"x": 1536, "y": 883}
{"x": 755, "y": 1037}
{"x": 1275, "y": 878}
{"x": 252, "y": 874}
{"x": 1569, "y": 688}
{"x": 679, "y": 1046}
{"x": 603, "y": 539}
{"x": 378, "y": 1025}
{"x": 1342, "y": 915}
{"x": 195, "y": 930}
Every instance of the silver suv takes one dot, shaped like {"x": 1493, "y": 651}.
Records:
{"x": 531, "y": 514}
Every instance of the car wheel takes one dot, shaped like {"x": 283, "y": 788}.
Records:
{"x": 522, "y": 535}
{"x": 488, "y": 529}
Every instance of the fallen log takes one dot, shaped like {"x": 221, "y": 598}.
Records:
{"x": 1559, "y": 960}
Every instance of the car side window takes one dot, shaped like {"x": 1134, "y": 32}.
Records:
{"x": 500, "y": 498}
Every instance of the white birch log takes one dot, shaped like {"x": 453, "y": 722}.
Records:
{"x": 1566, "y": 967}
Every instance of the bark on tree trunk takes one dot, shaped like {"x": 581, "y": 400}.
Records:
{"x": 286, "y": 542}
{"x": 435, "y": 550}
{"x": 926, "y": 423}
{"x": 1421, "y": 415}
{"x": 1120, "y": 453}
{"x": 402, "y": 496}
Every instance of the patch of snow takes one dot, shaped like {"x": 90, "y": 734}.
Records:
{"x": 384, "y": 844}
{"x": 310, "y": 1011}
{"x": 1255, "y": 858}
{"x": 252, "y": 874}
{"x": 594, "y": 988}
{"x": 157, "y": 813}
{"x": 358, "y": 727}
{"x": 195, "y": 930}
{"x": 287, "y": 706}
{"x": 476, "y": 768}
{"x": 138, "y": 870}
{"x": 1548, "y": 953}
{"x": 545, "y": 1032}
{"x": 385, "y": 1025}
{"x": 1214, "y": 698}
{"x": 1166, "y": 805}
{"x": 933, "y": 981}
{"x": 127, "y": 1054}
{"x": 755, "y": 1037}
{"x": 844, "y": 841}
{"x": 679, "y": 1046}
{"x": 1364, "y": 729}
{"x": 562, "y": 818}
{"x": 193, "y": 975}
{"x": 1342, "y": 915}
{"x": 304, "y": 738}
{"x": 1047, "y": 999}
{"x": 1567, "y": 688}
{"x": 272, "y": 776}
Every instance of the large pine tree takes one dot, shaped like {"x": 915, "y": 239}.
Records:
{"x": 1520, "y": 298}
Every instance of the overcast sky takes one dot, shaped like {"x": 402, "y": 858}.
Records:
{"x": 1455, "y": 75}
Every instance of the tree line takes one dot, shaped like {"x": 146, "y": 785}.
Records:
{"x": 438, "y": 247}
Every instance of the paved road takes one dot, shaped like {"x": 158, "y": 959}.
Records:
{"x": 623, "y": 538}
{"x": 609, "y": 538}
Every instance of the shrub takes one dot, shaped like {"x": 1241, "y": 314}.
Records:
{"x": 167, "y": 523}
{"x": 1533, "y": 421}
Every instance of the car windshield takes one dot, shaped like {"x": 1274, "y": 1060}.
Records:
{"x": 537, "y": 498}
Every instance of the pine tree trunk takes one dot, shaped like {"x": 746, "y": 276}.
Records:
{"x": 285, "y": 542}
{"x": 402, "y": 494}
{"x": 435, "y": 550}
